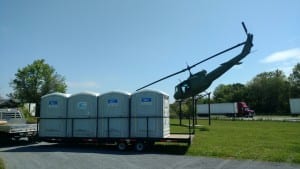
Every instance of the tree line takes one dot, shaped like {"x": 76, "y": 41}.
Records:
{"x": 267, "y": 93}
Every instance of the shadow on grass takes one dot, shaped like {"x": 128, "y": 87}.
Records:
{"x": 177, "y": 125}
{"x": 186, "y": 126}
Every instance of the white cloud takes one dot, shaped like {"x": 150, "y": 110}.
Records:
{"x": 286, "y": 55}
{"x": 76, "y": 87}
{"x": 283, "y": 60}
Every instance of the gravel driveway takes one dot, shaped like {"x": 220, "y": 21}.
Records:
{"x": 51, "y": 156}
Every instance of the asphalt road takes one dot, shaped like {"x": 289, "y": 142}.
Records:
{"x": 51, "y": 156}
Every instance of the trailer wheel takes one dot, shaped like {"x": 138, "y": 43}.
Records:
{"x": 122, "y": 146}
{"x": 33, "y": 139}
{"x": 140, "y": 146}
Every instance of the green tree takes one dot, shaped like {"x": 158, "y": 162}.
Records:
{"x": 294, "y": 80}
{"x": 186, "y": 107}
{"x": 36, "y": 80}
{"x": 268, "y": 93}
{"x": 229, "y": 93}
{"x": 174, "y": 109}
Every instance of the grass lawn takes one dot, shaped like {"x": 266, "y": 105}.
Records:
{"x": 1, "y": 164}
{"x": 257, "y": 140}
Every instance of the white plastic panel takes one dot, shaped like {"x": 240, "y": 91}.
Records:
{"x": 118, "y": 128}
{"x": 52, "y": 128}
{"x": 112, "y": 105}
{"x": 155, "y": 106}
{"x": 54, "y": 105}
{"x": 83, "y": 128}
{"x": 82, "y": 105}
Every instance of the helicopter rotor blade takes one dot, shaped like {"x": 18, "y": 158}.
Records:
{"x": 190, "y": 67}
{"x": 224, "y": 51}
{"x": 217, "y": 54}
{"x": 166, "y": 77}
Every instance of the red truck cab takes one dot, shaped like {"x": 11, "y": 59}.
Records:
{"x": 244, "y": 110}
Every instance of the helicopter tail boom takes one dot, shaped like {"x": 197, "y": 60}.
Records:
{"x": 234, "y": 61}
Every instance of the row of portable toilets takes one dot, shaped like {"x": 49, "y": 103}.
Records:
{"x": 110, "y": 115}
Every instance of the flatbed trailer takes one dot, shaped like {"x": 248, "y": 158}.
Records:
{"x": 13, "y": 125}
{"x": 139, "y": 143}
{"x": 17, "y": 131}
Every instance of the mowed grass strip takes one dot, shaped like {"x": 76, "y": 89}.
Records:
{"x": 257, "y": 140}
{"x": 1, "y": 164}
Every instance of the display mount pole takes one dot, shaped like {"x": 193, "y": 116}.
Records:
{"x": 193, "y": 113}
{"x": 180, "y": 113}
{"x": 209, "y": 119}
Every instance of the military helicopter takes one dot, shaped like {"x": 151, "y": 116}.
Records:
{"x": 200, "y": 81}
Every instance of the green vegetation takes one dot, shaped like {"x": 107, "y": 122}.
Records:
{"x": 2, "y": 166}
{"x": 29, "y": 119}
{"x": 36, "y": 80}
{"x": 257, "y": 140}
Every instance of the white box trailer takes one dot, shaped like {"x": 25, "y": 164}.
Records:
{"x": 53, "y": 115}
{"x": 113, "y": 114}
{"x": 295, "y": 106}
{"x": 228, "y": 109}
{"x": 217, "y": 109}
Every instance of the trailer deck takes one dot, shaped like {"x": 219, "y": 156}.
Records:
{"x": 122, "y": 142}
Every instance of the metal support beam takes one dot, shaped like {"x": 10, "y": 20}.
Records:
{"x": 180, "y": 113}
{"x": 209, "y": 119}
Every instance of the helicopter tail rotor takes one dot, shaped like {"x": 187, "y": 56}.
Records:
{"x": 245, "y": 28}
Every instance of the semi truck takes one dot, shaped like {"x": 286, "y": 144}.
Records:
{"x": 236, "y": 109}
{"x": 13, "y": 125}
{"x": 295, "y": 106}
{"x": 139, "y": 119}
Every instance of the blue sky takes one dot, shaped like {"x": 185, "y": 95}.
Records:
{"x": 109, "y": 45}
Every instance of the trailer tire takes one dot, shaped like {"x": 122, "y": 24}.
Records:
{"x": 122, "y": 146}
{"x": 33, "y": 139}
{"x": 139, "y": 146}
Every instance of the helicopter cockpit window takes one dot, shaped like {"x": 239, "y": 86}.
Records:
{"x": 185, "y": 87}
{"x": 176, "y": 89}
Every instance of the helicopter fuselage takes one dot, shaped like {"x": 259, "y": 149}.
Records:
{"x": 200, "y": 81}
